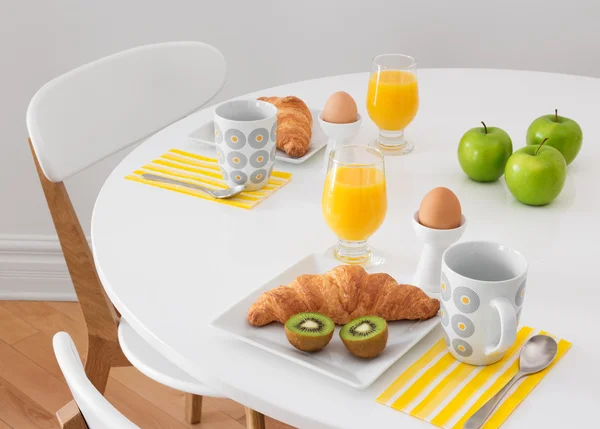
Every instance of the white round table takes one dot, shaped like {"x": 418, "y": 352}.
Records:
{"x": 172, "y": 263}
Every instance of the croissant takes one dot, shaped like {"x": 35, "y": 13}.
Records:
{"x": 294, "y": 124}
{"x": 344, "y": 293}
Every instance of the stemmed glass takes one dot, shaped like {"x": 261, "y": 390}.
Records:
{"x": 355, "y": 201}
{"x": 393, "y": 100}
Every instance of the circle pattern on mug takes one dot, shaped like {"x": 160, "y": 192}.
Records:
{"x": 519, "y": 315}
{"x": 446, "y": 290}
{"x": 273, "y": 152}
{"x": 259, "y": 159}
{"x": 270, "y": 173}
{"x": 220, "y": 156}
{"x": 238, "y": 177}
{"x": 235, "y": 139}
{"x": 258, "y": 138}
{"x": 274, "y": 132}
{"x": 258, "y": 176}
{"x": 462, "y": 325}
{"x": 236, "y": 160}
{"x": 462, "y": 347}
{"x": 446, "y": 339}
{"x": 465, "y": 299}
{"x": 444, "y": 314}
{"x": 520, "y": 296}
{"x": 218, "y": 134}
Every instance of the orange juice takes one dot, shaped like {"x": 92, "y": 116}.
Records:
{"x": 392, "y": 99}
{"x": 354, "y": 201}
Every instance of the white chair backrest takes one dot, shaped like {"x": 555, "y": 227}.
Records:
{"x": 91, "y": 112}
{"x": 97, "y": 411}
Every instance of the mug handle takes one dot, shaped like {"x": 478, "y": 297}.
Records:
{"x": 508, "y": 326}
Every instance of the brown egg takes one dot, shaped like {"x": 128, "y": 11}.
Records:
{"x": 340, "y": 108}
{"x": 440, "y": 209}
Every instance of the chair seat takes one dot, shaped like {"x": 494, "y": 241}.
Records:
{"x": 151, "y": 363}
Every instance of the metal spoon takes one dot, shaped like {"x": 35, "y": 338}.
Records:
{"x": 220, "y": 193}
{"x": 536, "y": 355}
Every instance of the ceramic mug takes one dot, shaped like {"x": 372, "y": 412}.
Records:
{"x": 245, "y": 135}
{"x": 482, "y": 292}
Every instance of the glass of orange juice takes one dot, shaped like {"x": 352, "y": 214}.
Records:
{"x": 355, "y": 201}
{"x": 393, "y": 100}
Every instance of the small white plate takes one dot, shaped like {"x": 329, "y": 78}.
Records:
{"x": 206, "y": 134}
{"x": 334, "y": 361}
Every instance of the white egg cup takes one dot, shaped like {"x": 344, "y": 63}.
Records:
{"x": 339, "y": 134}
{"x": 435, "y": 242}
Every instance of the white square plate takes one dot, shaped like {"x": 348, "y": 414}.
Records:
{"x": 334, "y": 361}
{"x": 206, "y": 134}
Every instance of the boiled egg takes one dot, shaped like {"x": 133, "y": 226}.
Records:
{"x": 340, "y": 108}
{"x": 440, "y": 209}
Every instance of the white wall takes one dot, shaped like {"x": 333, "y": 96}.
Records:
{"x": 266, "y": 43}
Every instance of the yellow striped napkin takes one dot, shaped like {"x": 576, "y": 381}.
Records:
{"x": 445, "y": 392}
{"x": 197, "y": 169}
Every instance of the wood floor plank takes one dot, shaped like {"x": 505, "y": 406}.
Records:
{"x": 274, "y": 424}
{"x": 18, "y": 411}
{"x": 229, "y": 407}
{"x": 172, "y": 401}
{"x": 13, "y": 328}
{"x": 38, "y": 348}
{"x": 271, "y": 423}
{"x": 69, "y": 309}
{"x": 48, "y": 320}
{"x": 139, "y": 410}
{"x": 4, "y": 425}
{"x": 32, "y": 380}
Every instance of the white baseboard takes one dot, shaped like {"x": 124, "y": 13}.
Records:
{"x": 33, "y": 268}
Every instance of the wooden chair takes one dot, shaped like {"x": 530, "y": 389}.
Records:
{"x": 97, "y": 412}
{"x": 82, "y": 117}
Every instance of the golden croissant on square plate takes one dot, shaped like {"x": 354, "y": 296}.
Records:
{"x": 343, "y": 293}
{"x": 294, "y": 125}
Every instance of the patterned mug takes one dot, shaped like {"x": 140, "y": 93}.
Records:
{"x": 245, "y": 135}
{"x": 482, "y": 292}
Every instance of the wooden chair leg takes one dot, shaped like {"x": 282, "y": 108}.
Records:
{"x": 98, "y": 362}
{"x": 101, "y": 356}
{"x": 254, "y": 419}
{"x": 69, "y": 417}
{"x": 193, "y": 408}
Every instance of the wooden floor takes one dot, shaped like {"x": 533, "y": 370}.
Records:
{"x": 32, "y": 387}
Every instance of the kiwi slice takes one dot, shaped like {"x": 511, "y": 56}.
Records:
{"x": 366, "y": 336}
{"x": 309, "y": 332}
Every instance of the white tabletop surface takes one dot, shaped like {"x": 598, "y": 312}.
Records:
{"x": 172, "y": 263}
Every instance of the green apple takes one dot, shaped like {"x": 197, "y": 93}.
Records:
{"x": 535, "y": 175}
{"x": 563, "y": 133}
{"x": 483, "y": 152}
